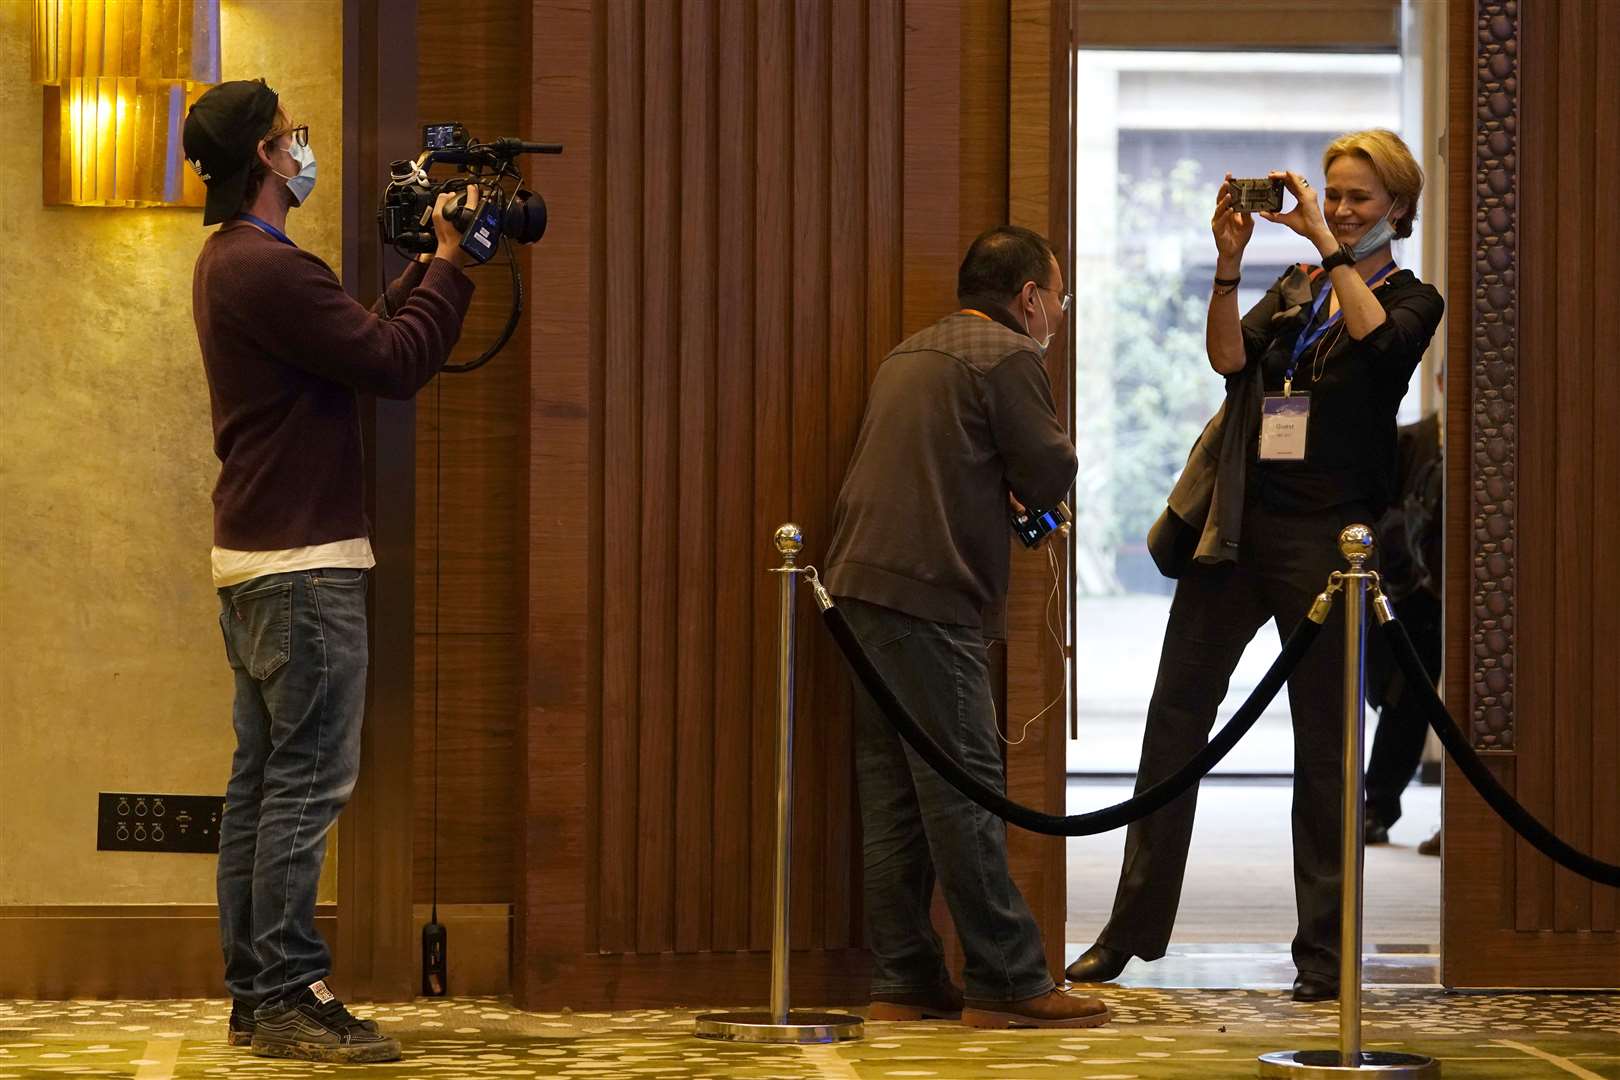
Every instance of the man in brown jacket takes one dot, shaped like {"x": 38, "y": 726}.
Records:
{"x": 959, "y": 423}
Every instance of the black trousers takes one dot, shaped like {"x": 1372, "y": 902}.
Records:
{"x": 1397, "y": 748}
{"x": 1284, "y": 562}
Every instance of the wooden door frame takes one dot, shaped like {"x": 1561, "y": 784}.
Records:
{"x": 1494, "y": 165}
{"x": 375, "y": 957}
{"x": 1040, "y": 186}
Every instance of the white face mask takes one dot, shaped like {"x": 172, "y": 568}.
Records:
{"x": 300, "y": 185}
{"x": 1045, "y": 342}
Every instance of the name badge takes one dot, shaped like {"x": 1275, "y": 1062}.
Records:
{"x": 1283, "y": 421}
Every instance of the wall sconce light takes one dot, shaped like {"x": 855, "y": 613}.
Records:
{"x": 119, "y": 76}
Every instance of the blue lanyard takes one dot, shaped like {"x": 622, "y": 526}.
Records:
{"x": 1306, "y": 340}
{"x": 269, "y": 228}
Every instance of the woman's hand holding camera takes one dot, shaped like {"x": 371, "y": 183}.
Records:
{"x": 1306, "y": 217}
{"x": 1223, "y": 338}
{"x": 445, "y": 229}
{"x": 1232, "y": 231}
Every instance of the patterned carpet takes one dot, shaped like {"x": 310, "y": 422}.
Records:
{"x": 1155, "y": 1035}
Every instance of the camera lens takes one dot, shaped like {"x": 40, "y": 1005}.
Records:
{"x": 525, "y": 218}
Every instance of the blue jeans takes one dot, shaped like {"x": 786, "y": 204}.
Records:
{"x": 297, "y": 645}
{"x": 916, "y": 826}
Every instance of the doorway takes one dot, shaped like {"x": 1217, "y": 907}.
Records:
{"x": 1156, "y": 129}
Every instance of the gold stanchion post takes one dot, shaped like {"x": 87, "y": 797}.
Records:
{"x": 1356, "y": 544}
{"x": 780, "y": 1024}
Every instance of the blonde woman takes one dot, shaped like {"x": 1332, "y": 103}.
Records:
{"x": 1315, "y": 373}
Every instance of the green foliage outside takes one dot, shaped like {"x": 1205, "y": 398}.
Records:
{"x": 1162, "y": 388}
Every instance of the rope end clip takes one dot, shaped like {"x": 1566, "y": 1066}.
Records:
{"x": 824, "y": 599}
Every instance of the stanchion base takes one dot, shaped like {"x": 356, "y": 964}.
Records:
{"x": 1312, "y": 1064}
{"x": 760, "y": 1026}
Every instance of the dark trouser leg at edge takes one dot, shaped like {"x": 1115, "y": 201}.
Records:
{"x": 1215, "y": 613}
{"x": 1314, "y": 699}
{"x": 1397, "y": 745}
{"x": 1296, "y": 555}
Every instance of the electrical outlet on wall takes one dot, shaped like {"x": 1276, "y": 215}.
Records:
{"x": 132, "y": 821}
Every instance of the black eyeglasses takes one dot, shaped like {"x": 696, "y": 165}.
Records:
{"x": 299, "y": 135}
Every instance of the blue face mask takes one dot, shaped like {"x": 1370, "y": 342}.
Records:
{"x": 1374, "y": 238}
{"x": 301, "y": 185}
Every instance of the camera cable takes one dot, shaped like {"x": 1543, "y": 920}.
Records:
{"x": 511, "y": 320}
{"x": 1057, "y": 638}
{"x": 438, "y": 554}
{"x": 435, "y": 965}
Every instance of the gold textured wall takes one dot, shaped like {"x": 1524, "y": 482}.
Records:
{"x": 112, "y": 674}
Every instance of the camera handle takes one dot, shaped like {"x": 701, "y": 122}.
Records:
{"x": 490, "y": 154}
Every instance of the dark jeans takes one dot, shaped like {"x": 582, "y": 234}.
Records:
{"x": 916, "y": 826}
{"x": 1397, "y": 747}
{"x": 297, "y": 645}
{"x": 1285, "y": 560}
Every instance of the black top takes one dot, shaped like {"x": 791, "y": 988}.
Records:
{"x": 1409, "y": 534}
{"x": 1355, "y": 386}
{"x": 958, "y": 414}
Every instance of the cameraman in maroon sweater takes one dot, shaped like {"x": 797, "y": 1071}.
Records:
{"x": 287, "y": 353}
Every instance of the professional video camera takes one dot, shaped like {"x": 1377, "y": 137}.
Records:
{"x": 506, "y": 210}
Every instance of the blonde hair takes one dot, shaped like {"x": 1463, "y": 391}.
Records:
{"x": 1390, "y": 158}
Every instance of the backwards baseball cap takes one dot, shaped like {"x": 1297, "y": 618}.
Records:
{"x": 221, "y": 138}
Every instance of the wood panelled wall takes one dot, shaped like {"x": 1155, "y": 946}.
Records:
{"x": 1569, "y": 459}
{"x": 472, "y": 498}
{"x": 1534, "y": 457}
{"x": 685, "y": 642}
{"x": 759, "y": 199}
{"x": 1237, "y": 24}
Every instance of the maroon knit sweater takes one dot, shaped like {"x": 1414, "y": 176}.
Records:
{"x": 287, "y": 353}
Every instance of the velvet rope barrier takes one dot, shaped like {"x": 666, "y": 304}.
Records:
{"x": 1472, "y": 766}
{"x": 1097, "y": 821}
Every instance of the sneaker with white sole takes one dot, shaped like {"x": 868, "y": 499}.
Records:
{"x": 313, "y": 1025}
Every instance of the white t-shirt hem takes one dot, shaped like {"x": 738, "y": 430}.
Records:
{"x": 234, "y": 567}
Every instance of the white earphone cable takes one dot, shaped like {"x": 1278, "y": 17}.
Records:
{"x": 1023, "y": 732}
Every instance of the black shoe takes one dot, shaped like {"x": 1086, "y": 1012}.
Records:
{"x": 1098, "y": 964}
{"x": 1375, "y": 832}
{"x": 1312, "y": 987}
{"x": 1431, "y": 846}
{"x": 313, "y": 1025}
{"x": 240, "y": 1030}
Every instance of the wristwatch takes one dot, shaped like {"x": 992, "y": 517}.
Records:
{"x": 1343, "y": 257}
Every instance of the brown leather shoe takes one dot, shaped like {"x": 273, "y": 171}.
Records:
{"x": 941, "y": 1003}
{"x": 1057, "y": 1008}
